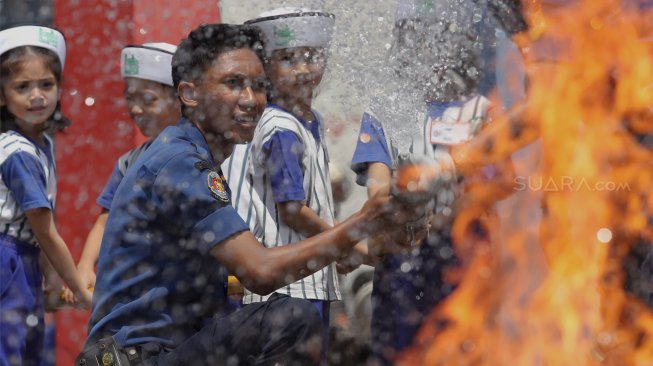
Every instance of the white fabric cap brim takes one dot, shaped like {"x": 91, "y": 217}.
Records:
{"x": 147, "y": 63}
{"x": 34, "y": 35}
{"x": 312, "y": 29}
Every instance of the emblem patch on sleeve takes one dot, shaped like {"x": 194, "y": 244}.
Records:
{"x": 216, "y": 186}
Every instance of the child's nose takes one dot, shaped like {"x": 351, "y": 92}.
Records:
{"x": 37, "y": 97}
{"x": 136, "y": 110}
{"x": 302, "y": 68}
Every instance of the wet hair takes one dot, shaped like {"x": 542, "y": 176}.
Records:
{"x": 11, "y": 62}
{"x": 205, "y": 43}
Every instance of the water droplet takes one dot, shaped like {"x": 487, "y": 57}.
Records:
{"x": 89, "y": 101}
{"x": 32, "y": 320}
{"x": 604, "y": 235}
{"x": 209, "y": 237}
{"x": 405, "y": 267}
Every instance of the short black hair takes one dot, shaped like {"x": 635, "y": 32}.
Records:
{"x": 208, "y": 41}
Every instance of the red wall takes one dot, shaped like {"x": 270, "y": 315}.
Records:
{"x": 95, "y": 32}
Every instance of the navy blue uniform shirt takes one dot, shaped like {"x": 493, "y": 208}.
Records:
{"x": 156, "y": 281}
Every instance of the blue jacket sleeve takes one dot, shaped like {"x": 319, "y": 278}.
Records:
{"x": 109, "y": 190}
{"x": 370, "y": 148}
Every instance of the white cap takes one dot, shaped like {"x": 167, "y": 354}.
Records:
{"x": 151, "y": 61}
{"x": 34, "y": 35}
{"x": 291, "y": 27}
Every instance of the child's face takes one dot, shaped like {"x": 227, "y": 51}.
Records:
{"x": 153, "y": 106}
{"x": 296, "y": 72}
{"x": 31, "y": 94}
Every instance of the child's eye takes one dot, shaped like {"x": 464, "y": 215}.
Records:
{"x": 21, "y": 86}
{"x": 48, "y": 84}
{"x": 316, "y": 58}
{"x": 148, "y": 99}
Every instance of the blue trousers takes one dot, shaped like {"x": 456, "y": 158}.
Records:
{"x": 324, "y": 309}
{"x": 21, "y": 304}
{"x": 281, "y": 330}
{"x": 406, "y": 287}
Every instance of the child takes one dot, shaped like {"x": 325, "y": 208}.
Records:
{"x": 153, "y": 105}
{"x": 31, "y": 65}
{"x": 439, "y": 60}
{"x": 288, "y": 169}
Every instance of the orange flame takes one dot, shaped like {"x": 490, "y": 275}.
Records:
{"x": 546, "y": 286}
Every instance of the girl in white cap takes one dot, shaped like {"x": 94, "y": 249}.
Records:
{"x": 290, "y": 197}
{"x": 153, "y": 105}
{"x": 31, "y": 65}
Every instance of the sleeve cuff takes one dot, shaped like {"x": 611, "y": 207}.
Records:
{"x": 36, "y": 204}
{"x": 104, "y": 202}
{"x": 290, "y": 196}
{"x": 217, "y": 227}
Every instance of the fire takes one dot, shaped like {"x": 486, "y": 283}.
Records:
{"x": 545, "y": 287}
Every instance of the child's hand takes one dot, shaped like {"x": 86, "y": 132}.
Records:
{"x": 87, "y": 275}
{"x": 52, "y": 282}
{"x": 67, "y": 296}
{"x": 83, "y": 299}
{"x": 344, "y": 266}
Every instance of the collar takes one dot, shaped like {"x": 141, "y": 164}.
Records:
{"x": 314, "y": 126}
{"x": 196, "y": 136}
{"x": 301, "y": 120}
{"x": 436, "y": 109}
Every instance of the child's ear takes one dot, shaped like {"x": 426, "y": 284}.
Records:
{"x": 187, "y": 94}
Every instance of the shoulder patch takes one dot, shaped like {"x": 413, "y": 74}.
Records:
{"x": 216, "y": 186}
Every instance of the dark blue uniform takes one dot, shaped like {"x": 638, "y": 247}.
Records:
{"x": 157, "y": 286}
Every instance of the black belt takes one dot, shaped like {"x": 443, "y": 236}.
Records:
{"x": 106, "y": 352}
